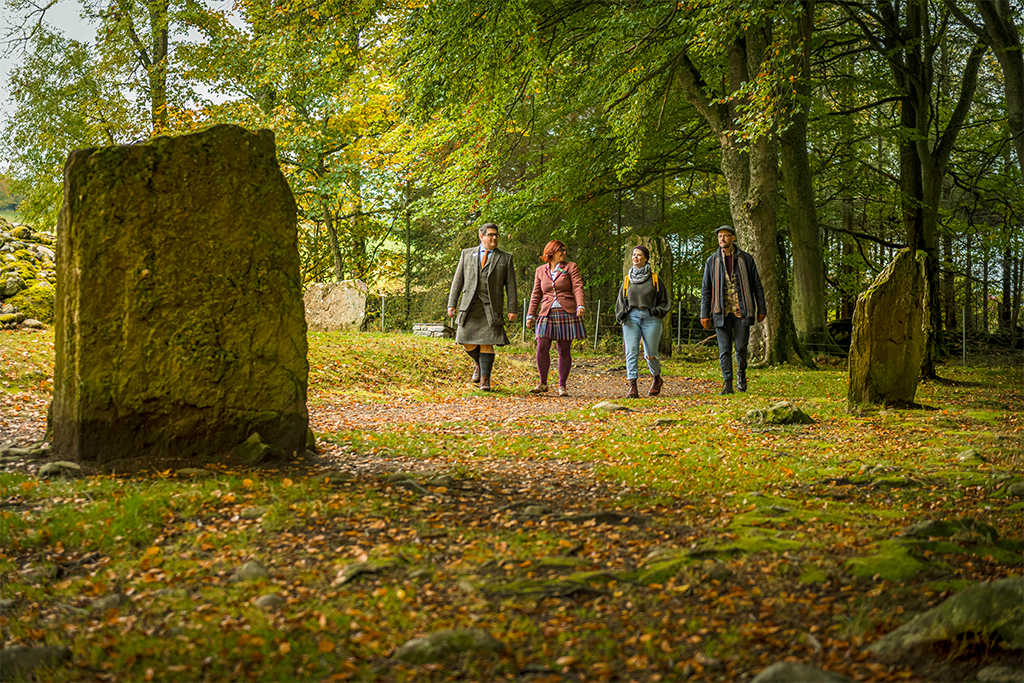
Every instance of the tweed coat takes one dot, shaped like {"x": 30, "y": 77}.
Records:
{"x": 491, "y": 285}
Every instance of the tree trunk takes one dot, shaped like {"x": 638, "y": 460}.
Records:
{"x": 158, "y": 21}
{"x": 948, "y": 289}
{"x": 809, "y": 285}
{"x": 332, "y": 233}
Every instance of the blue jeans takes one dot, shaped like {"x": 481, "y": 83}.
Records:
{"x": 641, "y": 324}
{"x": 733, "y": 333}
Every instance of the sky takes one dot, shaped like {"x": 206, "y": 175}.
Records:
{"x": 64, "y": 15}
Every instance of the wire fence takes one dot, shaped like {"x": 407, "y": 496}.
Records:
{"x": 399, "y": 313}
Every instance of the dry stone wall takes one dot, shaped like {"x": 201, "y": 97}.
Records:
{"x": 27, "y": 276}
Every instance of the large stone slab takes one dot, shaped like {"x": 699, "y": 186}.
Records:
{"x": 887, "y": 345}
{"x": 335, "y": 306}
{"x": 179, "y": 319}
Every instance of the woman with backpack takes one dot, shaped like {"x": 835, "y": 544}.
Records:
{"x": 641, "y": 304}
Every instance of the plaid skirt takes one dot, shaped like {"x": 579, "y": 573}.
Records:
{"x": 560, "y": 324}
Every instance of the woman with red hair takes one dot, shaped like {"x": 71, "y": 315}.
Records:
{"x": 555, "y": 307}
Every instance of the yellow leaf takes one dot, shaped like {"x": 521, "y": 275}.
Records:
{"x": 150, "y": 552}
{"x": 284, "y": 648}
{"x": 247, "y": 483}
{"x": 325, "y": 646}
{"x": 286, "y": 482}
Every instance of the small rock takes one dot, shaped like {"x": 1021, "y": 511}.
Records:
{"x": 6, "y": 605}
{"x": 410, "y": 485}
{"x": 195, "y": 472}
{"x": 271, "y": 601}
{"x": 1016, "y": 489}
{"x": 20, "y": 662}
{"x": 336, "y": 477}
{"x": 60, "y": 468}
{"x": 537, "y": 510}
{"x": 970, "y": 455}
{"x": 1001, "y": 674}
{"x": 255, "y": 452}
{"x": 794, "y": 672}
{"x": 109, "y": 602}
{"x": 253, "y": 513}
{"x": 33, "y": 324}
{"x": 610, "y": 407}
{"x": 252, "y": 571}
{"x": 450, "y": 642}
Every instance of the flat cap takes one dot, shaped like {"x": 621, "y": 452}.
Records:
{"x": 726, "y": 228}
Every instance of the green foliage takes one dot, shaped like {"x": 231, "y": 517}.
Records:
{"x": 35, "y": 302}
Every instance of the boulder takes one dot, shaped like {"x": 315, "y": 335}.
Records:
{"x": 991, "y": 610}
{"x": 447, "y": 643}
{"x": 889, "y": 333}
{"x": 794, "y": 672}
{"x": 335, "y": 306}
{"x": 179, "y": 320}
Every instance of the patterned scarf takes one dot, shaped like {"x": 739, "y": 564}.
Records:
{"x": 638, "y": 275}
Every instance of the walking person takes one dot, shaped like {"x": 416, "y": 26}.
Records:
{"x": 556, "y": 305}
{"x": 731, "y": 298}
{"x": 641, "y": 304}
{"x": 484, "y": 278}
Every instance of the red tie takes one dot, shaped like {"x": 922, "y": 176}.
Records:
{"x": 483, "y": 259}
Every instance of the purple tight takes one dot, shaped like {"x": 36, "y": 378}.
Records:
{"x": 544, "y": 359}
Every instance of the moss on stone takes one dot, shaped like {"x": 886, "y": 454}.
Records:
{"x": 894, "y": 561}
{"x": 35, "y": 302}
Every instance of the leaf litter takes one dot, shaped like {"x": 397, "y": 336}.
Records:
{"x": 465, "y": 509}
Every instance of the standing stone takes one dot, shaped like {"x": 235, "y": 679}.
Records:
{"x": 336, "y": 305}
{"x": 887, "y": 345}
{"x": 179, "y": 319}
{"x": 661, "y": 263}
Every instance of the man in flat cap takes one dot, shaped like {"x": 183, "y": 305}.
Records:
{"x": 484, "y": 278}
{"x": 731, "y": 298}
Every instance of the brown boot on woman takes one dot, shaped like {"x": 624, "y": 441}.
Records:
{"x": 633, "y": 391}
{"x": 656, "y": 386}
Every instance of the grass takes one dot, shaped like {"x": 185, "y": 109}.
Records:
{"x": 725, "y": 516}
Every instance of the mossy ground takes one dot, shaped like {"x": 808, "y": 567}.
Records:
{"x": 597, "y": 546}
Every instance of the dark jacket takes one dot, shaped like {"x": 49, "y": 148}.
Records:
{"x": 498, "y": 279}
{"x": 652, "y": 295}
{"x": 749, "y": 289}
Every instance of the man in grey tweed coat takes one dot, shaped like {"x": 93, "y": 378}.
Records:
{"x": 484, "y": 278}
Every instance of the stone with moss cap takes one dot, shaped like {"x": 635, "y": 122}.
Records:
{"x": 179, "y": 320}
{"x": 889, "y": 333}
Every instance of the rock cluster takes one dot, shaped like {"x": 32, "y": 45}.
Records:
{"x": 27, "y": 276}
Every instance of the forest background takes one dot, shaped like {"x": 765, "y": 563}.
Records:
{"x": 831, "y": 134}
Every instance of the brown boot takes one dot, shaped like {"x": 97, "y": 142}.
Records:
{"x": 476, "y": 374}
{"x": 485, "y": 384}
{"x": 633, "y": 391}
{"x": 656, "y": 386}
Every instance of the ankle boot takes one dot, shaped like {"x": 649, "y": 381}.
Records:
{"x": 656, "y": 386}
{"x": 485, "y": 383}
{"x": 726, "y": 388}
{"x": 741, "y": 381}
{"x": 476, "y": 374}
{"x": 633, "y": 391}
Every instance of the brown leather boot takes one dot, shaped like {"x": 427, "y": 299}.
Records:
{"x": 476, "y": 374}
{"x": 656, "y": 386}
{"x": 633, "y": 391}
{"x": 485, "y": 384}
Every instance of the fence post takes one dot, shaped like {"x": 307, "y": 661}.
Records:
{"x": 382, "y": 313}
{"x": 963, "y": 326}
{"x": 522, "y": 312}
{"x": 679, "y": 324}
{"x": 597, "y": 323}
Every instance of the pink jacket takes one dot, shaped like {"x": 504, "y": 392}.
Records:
{"x": 568, "y": 287}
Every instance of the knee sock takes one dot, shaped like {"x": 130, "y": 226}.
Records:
{"x": 474, "y": 353}
{"x": 564, "y": 361}
{"x": 486, "y": 363}
{"x": 544, "y": 358}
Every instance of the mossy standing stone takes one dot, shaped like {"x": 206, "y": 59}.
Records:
{"x": 889, "y": 333}
{"x": 179, "y": 321}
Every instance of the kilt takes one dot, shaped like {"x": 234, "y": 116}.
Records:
{"x": 560, "y": 324}
{"x": 475, "y": 330}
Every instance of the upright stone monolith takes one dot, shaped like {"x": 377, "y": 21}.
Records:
{"x": 179, "y": 319}
{"x": 887, "y": 344}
